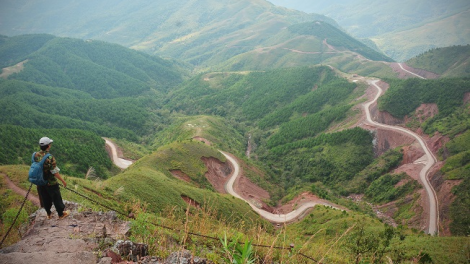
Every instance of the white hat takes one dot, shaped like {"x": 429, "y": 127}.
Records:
{"x": 44, "y": 141}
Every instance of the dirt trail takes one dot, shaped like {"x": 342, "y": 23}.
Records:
{"x": 31, "y": 197}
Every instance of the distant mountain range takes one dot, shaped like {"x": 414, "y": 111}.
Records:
{"x": 202, "y": 33}
{"x": 401, "y": 29}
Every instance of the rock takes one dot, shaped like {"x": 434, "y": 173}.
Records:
{"x": 185, "y": 257}
{"x": 70, "y": 240}
{"x": 100, "y": 230}
{"x": 130, "y": 250}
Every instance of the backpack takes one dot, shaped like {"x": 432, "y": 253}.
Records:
{"x": 36, "y": 172}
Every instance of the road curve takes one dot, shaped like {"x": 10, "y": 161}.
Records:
{"x": 274, "y": 218}
{"x": 401, "y": 66}
{"x": 121, "y": 163}
{"x": 429, "y": 161}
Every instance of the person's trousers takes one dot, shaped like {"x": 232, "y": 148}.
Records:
{"x": 50, "y": 194}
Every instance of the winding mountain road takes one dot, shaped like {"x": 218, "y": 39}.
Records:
{"x": 274, "y": 218}
{"x": 429, "y": 160}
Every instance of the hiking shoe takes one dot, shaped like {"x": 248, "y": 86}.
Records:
{"x": 64, "y": 214}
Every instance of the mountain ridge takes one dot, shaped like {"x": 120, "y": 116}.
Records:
{"x": 430, "y": 24}
{"x": 187, "y": 31}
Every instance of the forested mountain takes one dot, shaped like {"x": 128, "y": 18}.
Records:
{"x": 203, "y": 33}
{"x": 100, "y": 69}
{"x": 401, "y": 29}
{"x": 447, "y": 62}
{"x": 89, "y": 85}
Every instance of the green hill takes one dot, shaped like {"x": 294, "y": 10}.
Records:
{"x": 286, "y": 112}
{"x": 150, "y": 180}
{"x": 410, "y": 42}
{"x": 100, "y": 69}
{"x": 88, "y": 85}
{"x": 447, "y": 62}
{"x": 247, "y": 35}
{"x": 405, "y": 96}
{"x": 252, "y": 96}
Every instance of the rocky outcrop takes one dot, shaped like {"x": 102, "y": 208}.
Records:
{"x": 70, "y": 240}
{"x": 82, "y": 238}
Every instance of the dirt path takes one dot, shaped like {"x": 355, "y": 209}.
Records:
{"x": 428, "y": 159}
{"x": 31, "y": 197}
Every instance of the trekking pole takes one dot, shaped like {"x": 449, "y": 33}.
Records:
{"x": 16, "y": 217}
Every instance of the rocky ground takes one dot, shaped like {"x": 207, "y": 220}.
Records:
{"x": 84, "y": 237}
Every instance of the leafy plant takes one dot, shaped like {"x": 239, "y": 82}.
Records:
{"x": 236, "y": 253}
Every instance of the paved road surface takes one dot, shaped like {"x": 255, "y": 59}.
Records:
{"x": 429, "y": 160}
{"x": 275, "y": 218}
{"x": 121, "y": 163}
{"x": 419, "y": 76}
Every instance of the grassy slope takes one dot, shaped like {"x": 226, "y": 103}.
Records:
{"x": 315, "y": 236}
{"x": 215, "y": 130}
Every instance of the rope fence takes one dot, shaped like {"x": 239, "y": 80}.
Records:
{"x": 16, "y": 217}
{"x": 130, "y": 216}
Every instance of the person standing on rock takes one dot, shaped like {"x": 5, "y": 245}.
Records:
{"x": 50, "y": 193}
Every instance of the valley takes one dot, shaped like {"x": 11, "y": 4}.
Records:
{"x": 230, "y": 129}
{"x": 428, "y": 160}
